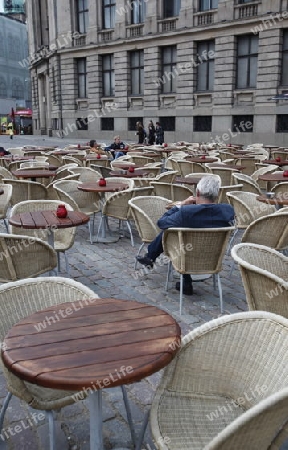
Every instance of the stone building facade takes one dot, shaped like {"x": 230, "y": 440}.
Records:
{"x": 206, "y": 69}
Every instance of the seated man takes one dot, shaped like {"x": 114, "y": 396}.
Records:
{"x": 95, "y": 148}
{"x": 201, "y": 211}
{"x": 117, "y": 145}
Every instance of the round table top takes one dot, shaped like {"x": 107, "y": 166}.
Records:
{"x": 93, "y": 157}
{"x": 33, "y": 173}
{"x": 201, "y": 160}
{"x": 227, "y": 166}
{"x": 280, "y": 200}
{"x": 138, "y": 173}
{"x": 111, "y": 186}
{"x": 48, "y": 219}
{"x": 277, "y": 163}
{"x": 93, "y": 343}
{"x": 273, "y": 177}
{"x": 125, "y": 165}
{"x": 64, "y": 152}
{"x": 188, "y": 180}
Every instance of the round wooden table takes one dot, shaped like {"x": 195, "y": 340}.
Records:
{"x": 277, "y": 163}
{"x": 273, "y": 177}
{"x": 189, "y": 180}
{"x": 138, "y": 173}
{"x": 33, "y": 173}
{"x": 110, "y": 187}
{"x": 48, "y": 220}
{"x": 280, "y": 200}
{"x": 200, "y": 160}
{"x": 96, "y": 344}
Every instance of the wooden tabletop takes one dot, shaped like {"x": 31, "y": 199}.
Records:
{"x": 280, "y": 200}
{"x": 33, "y": 173}
{"x": 201, "y": 160}
{"x": 227, "y": 166}
{"x": 48, "y": 219}
{"x": 98, "y": 342}
{"x": 189, "y": 180}
{"x": 277, "y": 163}
{"x": 111, "y": 186}
{"x": 137, "y": 173}
{"x": 93, "y": 157}
{"x": 124, "y": 165}
{"x": 273, "y": 177}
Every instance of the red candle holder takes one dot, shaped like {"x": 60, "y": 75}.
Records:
{"x": 98, "y": 156}
{"x": 131, "y": 169}
{"x": 102, "y": 182}
{"x": 61, "y": 211}
{"x": 285, "y": 173}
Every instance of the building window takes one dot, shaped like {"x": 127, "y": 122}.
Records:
{"x": 107, "y": 123}
{"x": 55, "y": 124}
{"x": 3, "y": 88}
{"x": 171, "y": 8}
{"x": 82, "y": 123}
{"x": 82, "y": 77}
{"x": 137, "y": 72}
{"x": 284, "y": 74}
{"x": 241, "y": 2}
{"x": 108, "y": 80}
{"x": 17, "y": 89}
{"x": 109, "y": 13}
{"x": 202, "y": 123}
{"x": 242, "y": 124}
{"x": 282, "y": 123}
{"x": 138, "y": 11}
{"x": 132, "y": 122}
{"x": 205, "y": 70}
{"x": 167, "y": 123}
{"x": 169, "y": 55}
{"x": 205, "y": 5}
{"x": 82, "y": 15}
{"x": 247, "y": 55}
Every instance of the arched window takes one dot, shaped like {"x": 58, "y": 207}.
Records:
{"x": 3, "y": 88}
{"x": 17, "y": 88}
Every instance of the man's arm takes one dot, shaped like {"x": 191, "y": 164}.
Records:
{"x": 173, "y": 217}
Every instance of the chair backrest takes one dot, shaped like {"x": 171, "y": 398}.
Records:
{"x": 16, "y": 151}
{"x": 249, "y": 185}
{"x": 84, "y": 200}
{"x": 166, "y": 177}
{"x": 224, "y": 173}
{"x": 21, "y": 298}
{"x": 34, "y": 165}
{"x": 5, "y": 173}
{"x": 279, "y": 154}
{"x": 187, "y": 167}
{"x": 222, "y": 197}
{"x": 86, "y": 174}
{"x": 170, "y": 191}
{"x": 5, "y": 199}
{"x": 146, "y": 211}
{"x": 264, "y": 275}
{"x": 247, "y": 208}
{"x": 104, "y": 171}
{"x": 248, "y": 164}
{"x": 69, "y": 159}
{"x": 271, "y": 230}
{"x": 281, "y": 190}
{"x": 23, "y": 257}
{"x": 262, "y": 170}
{"x": 247, "y": 341}
{"x": 196, "y": 250}
{"x": 26, "y": 190}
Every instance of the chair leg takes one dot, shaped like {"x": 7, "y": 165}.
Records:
{"x": 232, "y": 268}
{"x": 139, "y": 251}
{"x": 58, "y": 262}
{"x": 67, "y": 264}
{"x": 129, "y": 415}
{"x": 52, "y": 445}
{"x": 3, "y": 409}
{"x": 6, "y": 225}
{"x": 142, "y": 431}
{"x": 232, "y": 240}
{"x": 168, "y": 275}
{"x": 214, "y": 281}
{"x": 220, "y": 292}
{"x": 181, "y": 293}
{"x": 130, "y": 231}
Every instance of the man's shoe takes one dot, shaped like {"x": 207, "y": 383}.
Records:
{"x": 145, "y": 260}
{"x": 187, "y": 288}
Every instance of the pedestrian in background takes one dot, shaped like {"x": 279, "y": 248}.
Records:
{"x": 151, "y": 133}
{"x": 140, "y": 132}
{"x": 159, "y": 134}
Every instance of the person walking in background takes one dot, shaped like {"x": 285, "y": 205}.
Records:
{"x": 151, "y": 133}
{"x": 11, "y": 131}
{"x": 140, "y": 132}
{"x": 159, "y": 134}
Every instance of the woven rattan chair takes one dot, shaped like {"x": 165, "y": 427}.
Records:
{"x": 146, "y": 211}
{"x": 170, "y": 191}
{"x": 18, "y": 300}
{"x": 87, "y": 202}
{"x": 222, "y": 197}
{"x": 196, "y": 251}
{"x": 104, "y": 171}
{"x": 86, "y": 174}
{"x": 5, "y": 200}
{"x": 63, "y": 238}
{"x": 264, "y": 274}
{"x": 224, "y": 173}
{"x": 26, "y": 190}
{"x": 281, "y": 190}
{"x": 33, "y": 164}
{"x": 23, "y": 257}
{"x": 5, "y": 173}
{"x": 248, "y": 164}
{"x": 166, "y": 177}
{"x": 187, "y": 167}
{"x": 226, "y": 389}
{"x": 249, "y": 185}
{"x": 270, "y": 168}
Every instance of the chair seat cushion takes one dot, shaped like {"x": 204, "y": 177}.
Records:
{"x": 191, "y": 421}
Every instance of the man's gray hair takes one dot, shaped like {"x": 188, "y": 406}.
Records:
{"x": 208, "y": 187}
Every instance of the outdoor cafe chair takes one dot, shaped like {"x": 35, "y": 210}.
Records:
{"x": 26, "y": 190}
{"x": 18, "y": 300}
{"x": 146, "y": 211}
{"x": 264, "y": 276}
{"x": 249, "y": 185}
{"x": 5, "y": 200}
{"x": 63, "y": 238}
{"x": 174, "y": 192}
{"x": 166, "y": 177}
{"x": 224, "y": 173}
{"x": 222, "y": 197}
{"x": 196, "y": 251}
{"x": 226, "y": 389}
{"x": 187, "y": 167}
{"x": 23, "y": 257}
{"x": 86, "y": 174}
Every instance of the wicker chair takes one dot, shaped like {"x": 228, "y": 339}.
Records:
{"x": 23, "y": 257}
{"x": 249, "y": 185}
{"x": 172, "y": 192}
{"x": 264, "y": 275}
{"x": 187, "y": 167}
{"x": 248, "y": 164}
{"x": 166, "y": 177}
{"x": 87, "y": 202}
{"x": 86, "y": 174}
{"x": 281, "y": 190}
{"x": 5, "y": 200}
{"x": 146, "y": 211}
{"x": 222, "y": 197}
{"x": 18, "y": 300}
{"x": 104, "y": 171}
{"x": 26, "y": 190}
{"x": 226, "y": 389}
{"x": 207, "y": 250}
{"x": 270, "y": 168}
{"x": 63, "y": 238}
{"x": 5, "y": 173}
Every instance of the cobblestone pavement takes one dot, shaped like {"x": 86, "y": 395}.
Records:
{"x": 108, "y": 269}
